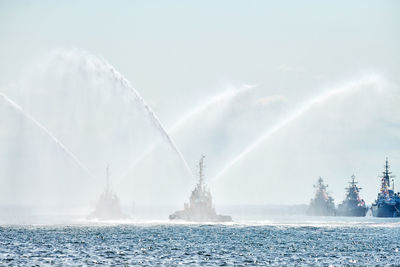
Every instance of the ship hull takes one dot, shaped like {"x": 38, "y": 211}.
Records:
{"x": 320, "y": 213}
{"x": 321, "y": 209}
{"x": 196, "y": 217}
{"x": 355, "y": 212}
{"x": 385, "y": 210}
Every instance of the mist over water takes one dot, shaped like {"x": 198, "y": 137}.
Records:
{"x": 85, "y": 96}
{"x": 194, "y": 114}
{"x": 98, "y": 118}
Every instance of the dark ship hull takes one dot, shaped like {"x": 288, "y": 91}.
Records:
{"x": 352, "y": 212}
{"x": 385, "y": 210}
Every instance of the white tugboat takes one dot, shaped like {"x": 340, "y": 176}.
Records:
{"x": 108, "y": 207}
{"x": 200, "y": 208}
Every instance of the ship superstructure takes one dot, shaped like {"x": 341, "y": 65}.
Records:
{"x": 322, "y": 204}
{"x": 387, "y": 203}
{"x": 352, "y": 205}
{"x": 108, "y": 206}
{"x": 200, "y": 208}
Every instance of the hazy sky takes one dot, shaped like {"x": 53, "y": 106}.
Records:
{"x": 180, "y": 54}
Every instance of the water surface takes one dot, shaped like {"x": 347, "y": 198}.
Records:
{"x": 316, "y": 241}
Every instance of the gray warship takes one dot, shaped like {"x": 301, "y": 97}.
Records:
{"x": 322, "y": 204}
{"x": 352, "y": 205}
{"x": 200, "y": 208}
{"x": 387, "y": 203}
{"x": 108, "y": 206}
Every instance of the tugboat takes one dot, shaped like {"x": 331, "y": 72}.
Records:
{"x": 387, "y": 203}
{"x": 352, "y": 204}
{"x": 200, "y": 208}
{"x": 322, "y": 204}
{"x": 108, "y": 207}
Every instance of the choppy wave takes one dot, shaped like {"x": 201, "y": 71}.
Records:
{"x": 316, "y": 241}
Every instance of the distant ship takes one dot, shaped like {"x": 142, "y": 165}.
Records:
{"x": 352, "y": 204}
{"x": 387, "y": 203}
{"x": 322, "y": 204}
{"x": 108, "y": 206}
{"x": 200, "y": 208}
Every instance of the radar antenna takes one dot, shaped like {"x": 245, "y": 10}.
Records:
{"x": 387, "y": 174}
{"x": 353, "y": 182}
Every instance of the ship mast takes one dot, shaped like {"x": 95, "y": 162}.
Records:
{"x": 201, "y": 167}
{"x": 353, "y": 177}
{"x": 320, "y": 184}
{"x": 353, "y": 183}
{"x": 386, "y": 173}
{"x": 108, "y": 177}
{"x": 386, "y": 177}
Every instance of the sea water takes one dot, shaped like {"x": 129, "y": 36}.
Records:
{"x": 288, "y": 242}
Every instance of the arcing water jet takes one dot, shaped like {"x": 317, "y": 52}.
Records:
{"x": 17, "y": 108}
{"x": 102, "y": 66}
{"x": 374, "y": 79}
{"x": 227, "y": 95}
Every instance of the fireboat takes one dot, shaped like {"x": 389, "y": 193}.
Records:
{"x": 108, "y": 206}
{"x": 200, "y": 208}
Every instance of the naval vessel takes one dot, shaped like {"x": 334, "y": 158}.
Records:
{"x": 352, "y": 205}
{"x": 387, "y": 204}
{"x": 322, "y": 204}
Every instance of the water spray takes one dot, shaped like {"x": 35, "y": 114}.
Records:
{"x": 226, "y": 95}
{"x": 104, "y": 66}
{"x": 373, "y": 79}
{"x": 229, "y": 94}
{"x": 26, "y": 115}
